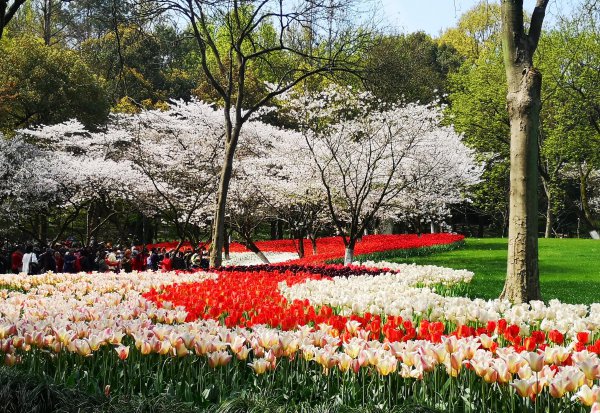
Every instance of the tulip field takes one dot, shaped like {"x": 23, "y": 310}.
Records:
{"x": 372, "y": 334}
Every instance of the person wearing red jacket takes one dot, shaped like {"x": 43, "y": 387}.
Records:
{"x": 16, "y": 261}
{"x": 137, "y": 261}
{"x": 167, "y": 263}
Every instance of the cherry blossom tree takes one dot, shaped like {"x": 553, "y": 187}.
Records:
{"x": 369, "y": 159}
{"x": 275, "y": 41}
{"x": 51, "y": 181}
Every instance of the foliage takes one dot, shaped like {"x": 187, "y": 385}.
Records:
{"x": 409, "y": 68}
{"x": 46, "y": 85}
{"x": 476, "y": 31}
{"x": 141, "y": 66}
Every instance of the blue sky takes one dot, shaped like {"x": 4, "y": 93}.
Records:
{"x": 433, "y": 16}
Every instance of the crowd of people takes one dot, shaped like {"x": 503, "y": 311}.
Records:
{"x": 102, "y": 258}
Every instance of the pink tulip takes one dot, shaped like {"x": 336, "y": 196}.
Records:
{"x": 535, "y": 360}
{"x": 122, "y": 351}
{"x": 259, "y": 366}
{"x": 523, "y": 387}
{"x": 586, "y": 395}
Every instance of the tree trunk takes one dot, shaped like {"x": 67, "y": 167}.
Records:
{"x": 549, "y": 213}
{"x": 522, "y": 278}
{"x": 43, "y": 229}
{"x": 300, "y": 240}
{"x": 349, "y": 255}
{"x": 523, "y": 104}
{"x": 254, "y": 248}
{"x": 218, "y": 233}
{"x": 313, "y": 242}
{"x": 47, "y": 29}
{"x": 279, "y": 229}
{"x": 226, "y": 246}
{"x": 588, "y": 216}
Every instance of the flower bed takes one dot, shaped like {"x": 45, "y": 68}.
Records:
{"x": 360, "y": 335}
{"x": 332, "y": 248}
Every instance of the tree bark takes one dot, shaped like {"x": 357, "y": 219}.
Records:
{"x": 300, "y": 240}
{"x": 349, "y": 255}
{"x": 549, "y": 213}
{"x": 523, "y": 104}
{"x": 313, "y": 242}
{"x": 226, "y": 246}
{"x": 218, "y": 233}
{"x": 254, "y": 248}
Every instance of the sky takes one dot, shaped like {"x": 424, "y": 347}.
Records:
{"x": 433, "y": 16}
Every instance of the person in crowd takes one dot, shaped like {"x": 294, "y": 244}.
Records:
{"x": 77, "y": 262}
{"x": 16, "y": 260}
{"x": 178, "y": 261}
{"x": 58, "y": 261}
{"x": 187, "y": 257}
{"x": 86, "y": 262}
{"x": 112, "y": 262}
{"x": 69, "y": 262}
{"x": 30, "y": 261}
{"x": 127, "y": 261}
{"x": 154, "y": 260}
{"x": 204, "y": 262}
{"x": 47, "y": 261}
{"x": 167, "y": 263}
{"x": 137, "y": 260}
{"x": 196, "y": 259}
{"x": 101, "y": 262}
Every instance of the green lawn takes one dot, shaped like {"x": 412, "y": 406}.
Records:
{"x": 569, "y": 268}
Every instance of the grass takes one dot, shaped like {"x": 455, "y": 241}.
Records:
{"x": 569, "y": 268}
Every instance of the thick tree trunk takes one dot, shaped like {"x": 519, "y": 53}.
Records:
{"x": 349, "y": 255}
{"x": 522, "y": 277}
{"x": 523, "y": 104}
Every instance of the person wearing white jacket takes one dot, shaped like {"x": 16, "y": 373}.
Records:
{"x": 28, "y": 258}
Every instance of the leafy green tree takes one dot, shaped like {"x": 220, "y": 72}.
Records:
{"x": 46, "y": 85}
{"x": 8, "y": 10}
{"x": 410, "y": 67}
{"x": 477, "y": 29}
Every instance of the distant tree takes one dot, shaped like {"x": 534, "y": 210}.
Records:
{"x": 477, "y": 29}
{"x": 42, "y": 85}
{"x": 410, "y": 67}
{"x": 370, "y": 160}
